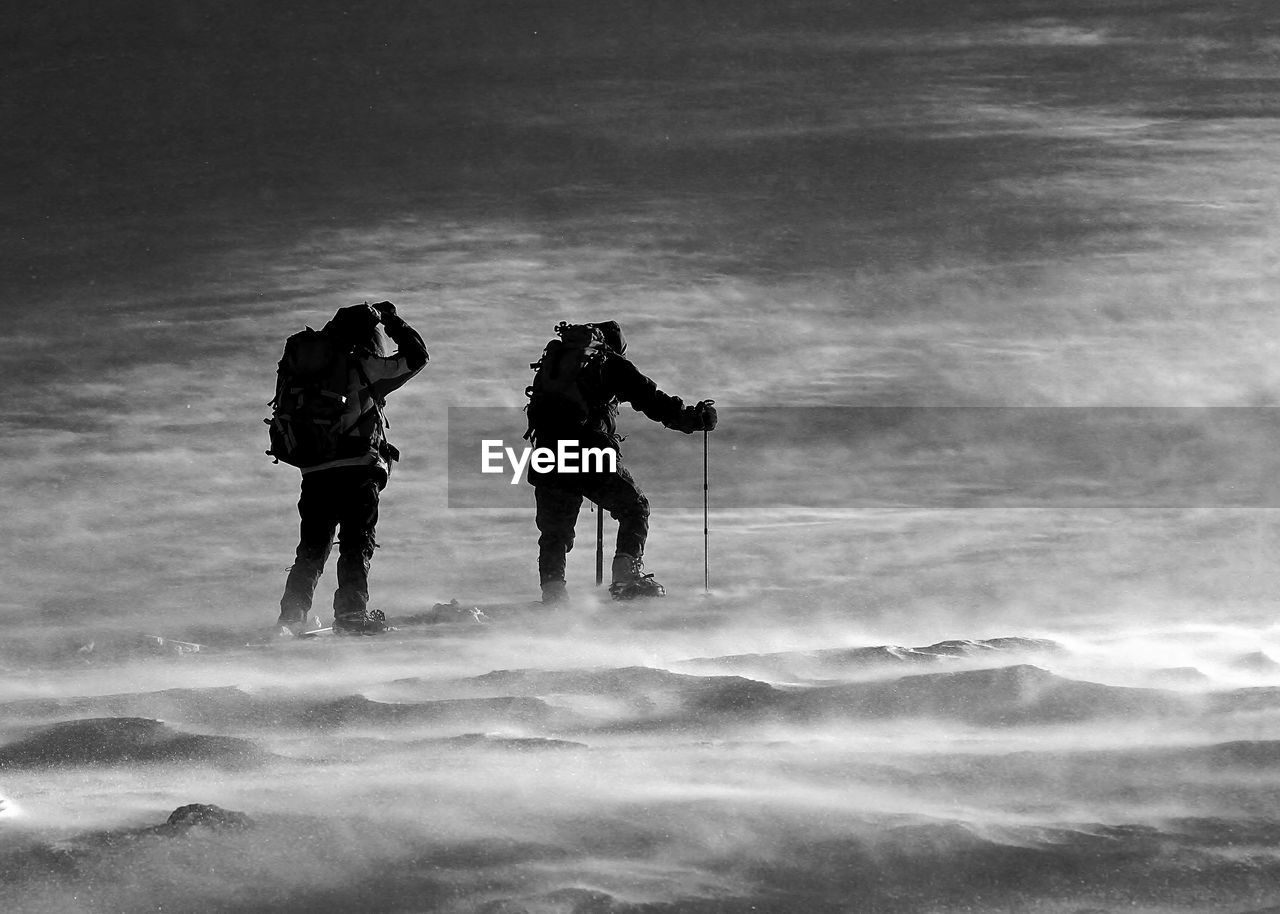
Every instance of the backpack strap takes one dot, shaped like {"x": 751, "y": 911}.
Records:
{"x": 379, "y": 403}
{"x": 386, "y": 449}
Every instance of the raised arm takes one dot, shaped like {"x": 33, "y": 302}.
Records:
{"x": 388, "y": 373}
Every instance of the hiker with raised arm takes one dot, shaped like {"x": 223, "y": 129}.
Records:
{"x": 581, "y": 378}
{"x": 327, "y": 420}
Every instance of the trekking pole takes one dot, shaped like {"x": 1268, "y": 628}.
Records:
{"x": 706, "y": 528}
{"x": 599, "y": 545}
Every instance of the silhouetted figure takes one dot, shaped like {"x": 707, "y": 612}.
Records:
{"x": 328, "y": 421}
{"x": 580, "y": 380}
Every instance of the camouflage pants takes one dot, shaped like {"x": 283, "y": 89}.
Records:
{"x": 557, "y": 515}
{"x": 342, "y": 500}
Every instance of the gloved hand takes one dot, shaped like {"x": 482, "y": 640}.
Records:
{"x": 386, "y": 310}
{"x": 706, "y": 415}
{"x": 697, "y": 418}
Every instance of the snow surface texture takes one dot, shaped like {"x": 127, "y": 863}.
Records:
{"x": 405, "y": 772}
{"x": 969, "y": 650}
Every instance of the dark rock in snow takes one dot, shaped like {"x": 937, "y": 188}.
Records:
{"x": 207, "y": 815}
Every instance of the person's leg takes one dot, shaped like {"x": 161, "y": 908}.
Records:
{"x": 621, "y": 497}
{"x": 358, "y": 520}
{"x": 557, "y": 515}
{"x": 317, "y": 521}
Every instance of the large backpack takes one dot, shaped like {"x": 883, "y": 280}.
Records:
{"x": 562, "y": 395}
{"x": 307, "y": 427}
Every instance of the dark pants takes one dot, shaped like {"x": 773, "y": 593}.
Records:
{"x": 343, "y": 499}
{"x": 557, "y": 515}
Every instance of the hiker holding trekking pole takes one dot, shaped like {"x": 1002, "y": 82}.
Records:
{"x": 581, "y": 378}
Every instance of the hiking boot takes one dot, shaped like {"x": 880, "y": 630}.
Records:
{"x": 292, "y": 624}
{"x": 554, "y": 592}
{"x": 643, "y": 586}
{"x": 369, "y": 622}
{"x": 630, "y": 582}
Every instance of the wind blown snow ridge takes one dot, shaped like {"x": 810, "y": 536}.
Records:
{"x": 124, "y": 740}
{"x": 807, "y": 774}
{"x": 843, "y": 662}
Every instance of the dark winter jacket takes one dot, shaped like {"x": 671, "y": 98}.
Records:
{"x": 615, "y": 380}
{"x": 383, "y": 375}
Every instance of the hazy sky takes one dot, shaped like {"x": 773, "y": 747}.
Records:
{"x": 810, "y": 204}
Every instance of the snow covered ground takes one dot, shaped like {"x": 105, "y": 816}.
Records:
{"x": 985, "y": 292}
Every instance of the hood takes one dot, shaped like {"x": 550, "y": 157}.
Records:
{"x": 353, "y": 326}
{"x": 612, "y": 334}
